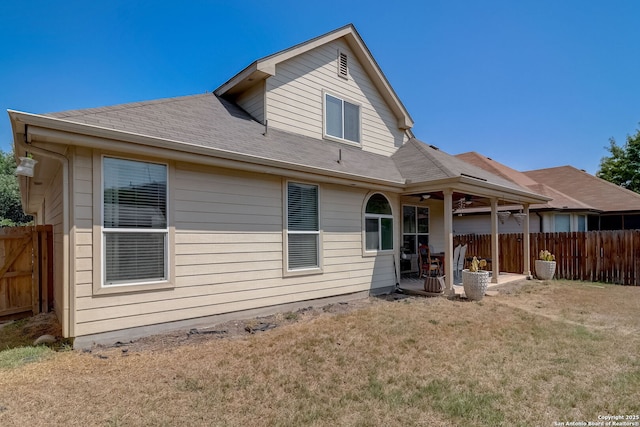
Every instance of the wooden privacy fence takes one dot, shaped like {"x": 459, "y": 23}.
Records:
{"x": 597, "y": 256}
{"x": 26, "y": 269}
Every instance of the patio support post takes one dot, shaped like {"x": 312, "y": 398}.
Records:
{"x": 526, "y": 241}
{"x": 495, "y": 252}
{"x": 448, "y": 241}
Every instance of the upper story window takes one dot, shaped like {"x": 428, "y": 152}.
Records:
{"x": 341, "y": 119}
{"x": 135, "y": 227}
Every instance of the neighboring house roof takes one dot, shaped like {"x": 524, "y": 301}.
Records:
{"x": 420, "y": 162}
{"x": 496, "y": 168}
{"x": 602, "y": 195}
{"x": 559, "y": 200}
{"x": 266, "y": 67}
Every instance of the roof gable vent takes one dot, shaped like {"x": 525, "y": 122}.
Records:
{"x": 342, "y": 64}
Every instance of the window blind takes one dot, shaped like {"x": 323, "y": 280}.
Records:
{"x": 302, "y": 226}
{"x": 134, "y": 221}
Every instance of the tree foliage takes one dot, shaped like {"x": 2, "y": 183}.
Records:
{"x": 11, "y": 213}
{"x": 622, "y": 167}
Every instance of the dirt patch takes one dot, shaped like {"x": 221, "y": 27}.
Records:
{"x": 235, "y": 329}
{"x": 23, "y": 332}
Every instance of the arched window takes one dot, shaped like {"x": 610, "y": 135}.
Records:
{"x": 378, "y": 220}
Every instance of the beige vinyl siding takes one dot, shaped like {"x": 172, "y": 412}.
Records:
{"x": 294, "y": 98}
{"x": 229, "y": 253}
{"x": 252, "y": 101}
{"x": 82, "y": 220}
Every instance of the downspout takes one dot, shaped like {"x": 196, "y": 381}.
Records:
{"x": 66, "y": 259}
{"x": 540, "y": 217}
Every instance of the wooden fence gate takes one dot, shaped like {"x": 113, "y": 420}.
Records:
{"x": 26, "y": 269}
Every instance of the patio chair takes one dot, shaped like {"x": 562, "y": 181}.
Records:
{"x": 427, "y": 264}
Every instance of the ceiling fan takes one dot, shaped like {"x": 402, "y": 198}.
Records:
{"x": 462, "y": 203}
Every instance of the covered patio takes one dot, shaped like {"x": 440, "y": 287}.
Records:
{"x": 439, "y": 186}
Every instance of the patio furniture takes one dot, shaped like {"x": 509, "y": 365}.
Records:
{"x": 427, "y": 264}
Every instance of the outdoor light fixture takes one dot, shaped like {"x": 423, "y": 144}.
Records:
{"x": 424, "y": 197}
{"x": 25, "y": 168}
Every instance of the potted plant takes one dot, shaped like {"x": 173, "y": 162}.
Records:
{"x": 545, "y": 265}
{"x": 475, "y": 280}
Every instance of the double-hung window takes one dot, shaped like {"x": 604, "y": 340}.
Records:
{"x": 341, "y": 119}
{"x": 378, "y": 219}
{"x": 135, "y": 226}
{"x": 303, "y": 227}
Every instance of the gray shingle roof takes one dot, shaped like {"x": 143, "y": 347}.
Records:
{"x": 559, "y": 199}
{"x": 212, "y": 122}
{"x": 209, "y": 121}
{"x": 589, "y": 189}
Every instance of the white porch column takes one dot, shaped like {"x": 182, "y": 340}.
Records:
{"x": 448, "y": 241}
{"x": 526, "y": 241}
{"x": 495, "y": 262}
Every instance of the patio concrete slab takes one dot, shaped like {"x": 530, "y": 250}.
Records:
{"x": 415, "y": 286}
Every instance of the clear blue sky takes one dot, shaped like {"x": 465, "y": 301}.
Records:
{"x": 531, "y": 84}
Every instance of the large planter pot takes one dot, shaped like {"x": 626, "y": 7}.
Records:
{"x": 475, "y": 284}
{"x": 545, "y": 269}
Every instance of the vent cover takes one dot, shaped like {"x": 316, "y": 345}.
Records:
{"x": 342, "y": 64}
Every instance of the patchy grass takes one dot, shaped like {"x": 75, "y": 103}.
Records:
{"x": 22, "y": 355}
{"x": 536, "y": 354}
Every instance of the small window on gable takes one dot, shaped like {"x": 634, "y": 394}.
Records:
{"x": 343, "y": 70}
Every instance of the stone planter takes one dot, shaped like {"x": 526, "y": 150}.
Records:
{"x": 475, "y": 284}
{"x": 545, "y": 269}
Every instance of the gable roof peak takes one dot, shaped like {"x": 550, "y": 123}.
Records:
{"x": 265, "y": 67}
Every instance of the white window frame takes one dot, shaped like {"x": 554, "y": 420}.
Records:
{"x": 324, "y": 119}
{"x": 379, "y": 217}
{"x": 99, "y": 241}
{"x": 287, "y": 271}
{"x": 416, "y": 233}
